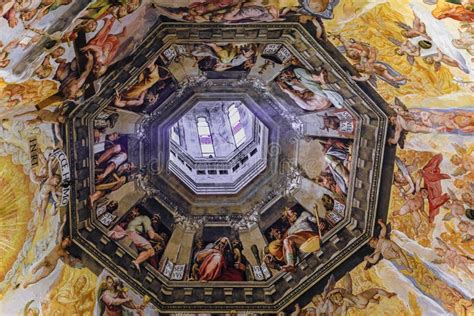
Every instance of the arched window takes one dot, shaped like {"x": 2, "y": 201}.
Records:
{"x": 175, "y": 134}
{"x": 205, "y": 138}
{"x": 236, "y": 125}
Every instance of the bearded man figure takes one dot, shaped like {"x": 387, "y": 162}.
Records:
{"x": 302, "y": 235}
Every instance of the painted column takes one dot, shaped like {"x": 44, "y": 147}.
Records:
{"x": 180, "y": 246}
{"x": 126, "y": 196}
{"x": 249, "y": 237}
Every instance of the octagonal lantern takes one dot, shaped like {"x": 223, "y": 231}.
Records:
{"x": 222, "y": 162}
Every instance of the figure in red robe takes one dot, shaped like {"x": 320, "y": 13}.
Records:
{"x": 432, "y": 177}
{"x": 216, "y": 263}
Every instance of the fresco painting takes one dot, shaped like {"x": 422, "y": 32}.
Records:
{"x": 59, "y": 57}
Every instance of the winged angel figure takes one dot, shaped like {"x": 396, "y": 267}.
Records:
{"x": 50, "y": 261}
{"x": 453, "y": 258}
{"x": 433, "y": 44}
{"x": 455, "y": 206}
{"x": 367, "y": 63}
{"x": 405, "y": 122}
{"x": 337, "y": 300}
{"x": 386, "y": 248}
{"x": 463, "y": 159}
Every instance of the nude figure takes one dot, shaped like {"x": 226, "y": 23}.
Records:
{"x": 50, "y": 261}
{"x": 447, "y": 122}
{"x": 360, "y": 301}
{"x": 71, "y": 81}
{"x": 402, "y": 177}
{"x": 45, "y": 69}
{"x": 467, "y": 230}
{"x": 451, "y": 257}
{"x": 338, "y": 300}
{"x": 55, "y": 117}
{"x": 385, "y": 248}
{"x": 199, "y": 11}
{"x": 8, "y": 11}
{"x": 104, "y": 47}
{"x": 439, "y": 58}
{"x": 367, "y": 63}
{"x": 322, "y": 303}
{"x": 414, "y": 203}
{"x": 417, "y": 32}
{"x": 466, "y": 38}
{"x": 463, "y": 159}
{"x": 49, "y": 186}
{"x": 5, "y": 52}
{"x": 251, "y": 12}
{"x": 405, "y": 122}
{"x": 455, "y": 206}
{"x": 141, "y": 92}
{"x": 42, "y": 116}
{"x": 467, "y": 197}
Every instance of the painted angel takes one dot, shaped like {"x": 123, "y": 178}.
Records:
{"x": 50, "y": 261}
{"x": 250, "y": 12}
{"x": 451, "y": 256}
{"x": 55, "y": 116}
{"x": 414, "y": 203}
{"x": 323, "y": 305}
{"x": 418, "y": 31}
{"x": 405, "y": 122}
{"x": 403, "y": 176}
{"x": 463, "y": 159}
{"x": 417, "y": 43}
{"x": 466, "y": 38}
{"x": 441, "y": 40}
{"x": 5, "y": 52}
{"x": 49, "y": 185}
{"x": 367, "y": 63}
{"x": 337, "y": 301}
{"x": 72, "y": 81}
{"x": 454, "y": 121}
{"x": 467, "y": 196}
{"x": 455, "y": 206}
{"x": 386, "y": 248}
{"x": 467, "y": 230}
